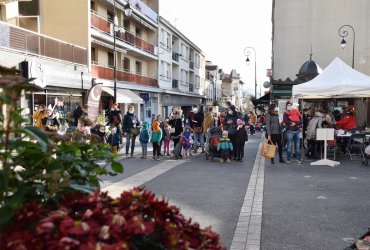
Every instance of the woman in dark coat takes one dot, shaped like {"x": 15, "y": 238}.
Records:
{"x": 273, "y": 130}
{"x": 241, "y": 136}
{"x": 175, "y": 121}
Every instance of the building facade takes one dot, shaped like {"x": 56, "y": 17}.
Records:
{"x": 213, "y": 84}
{"x": 181, "y": 69}
{"x": 232, "y": 88}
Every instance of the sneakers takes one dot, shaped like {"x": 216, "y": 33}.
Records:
{"x": 222, "y": 160}
{"x": 282, "y": 161}
{"x": 287, "y": 161}
{"x": 228, "y": 160}
{"x": 300, "y": 161}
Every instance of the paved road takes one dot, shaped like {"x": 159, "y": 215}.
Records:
{"x": 256, "y": 205}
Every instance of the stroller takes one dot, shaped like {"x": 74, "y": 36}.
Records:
{"x": 213, "y": 137}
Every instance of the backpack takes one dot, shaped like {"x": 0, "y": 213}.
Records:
{"x": 144, "y": 136}
{"x": 116, "y": 120}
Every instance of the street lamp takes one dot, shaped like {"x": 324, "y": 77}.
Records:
{"x": 343, "y": 32}
{"x": 247, "y": 53}
{"x": 128, "y": 13}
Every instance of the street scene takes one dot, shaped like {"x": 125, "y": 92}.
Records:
{"x": 128, "y": 124}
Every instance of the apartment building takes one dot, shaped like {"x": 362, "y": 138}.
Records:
{"x": 232, "y": 88}
{"x": 59, "y": 67}
{"x": 115, "y": 39}
{"x": 213, "y": 84}
{"x": 181, "y": 69}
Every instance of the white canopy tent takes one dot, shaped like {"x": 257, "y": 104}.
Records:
{"x": 337, "y": 80}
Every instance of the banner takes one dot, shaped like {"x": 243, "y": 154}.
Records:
{"x": 93, "y": 101}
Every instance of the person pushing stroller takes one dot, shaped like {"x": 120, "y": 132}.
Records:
{"x": 225, "y": 147}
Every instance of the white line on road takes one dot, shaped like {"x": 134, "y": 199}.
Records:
{"x": 115, "y": 189}
{"x": 248, "y": 229}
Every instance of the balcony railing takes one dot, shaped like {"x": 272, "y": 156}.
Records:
{"x": 175, "y": 84}
{"x": 136, "y": 41}
{"x": 13, "y": 37}
{"x": 100, "y": 22}
{"x": 175, "y": 56}
{"x": 191, "y": 87}
{"x": 191, "y": 64}
{"x": 145, "y": 9}
{"x": 108, "y": 73}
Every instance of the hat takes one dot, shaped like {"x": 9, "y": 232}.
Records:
{"x": 239, "y": 122}
{"x": 145, "y": 125}
{"x": 187, "y": 127}
{"x": 225, "y": 133}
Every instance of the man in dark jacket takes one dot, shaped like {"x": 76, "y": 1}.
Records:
{"x": 130, "y": 129}
{"x": 115, "y": 119}
{"x": 197, "y": 126}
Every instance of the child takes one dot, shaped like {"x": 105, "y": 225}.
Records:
{"x": 144, "y": 139}
{"x": 225, "y": 146}
{"x": 241, "y": 137}
{"x": 294, "y": 115}
{"x": 167, "y": 139}
{"x": 156, "y": 140}
{"x": 113, "y": 140}
{"x": 186, "y": 141}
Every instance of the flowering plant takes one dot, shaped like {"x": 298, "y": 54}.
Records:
{"x": 135, "y": 220}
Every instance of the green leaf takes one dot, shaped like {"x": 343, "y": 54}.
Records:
{"x": 117, "y": 167}
{"x": 6, "y": 213}
{"x": 40, "y": 136}
{"x": 84, "y": 187}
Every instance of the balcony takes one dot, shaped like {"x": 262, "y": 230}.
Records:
{"x": 191, "y": 87}
{"x": 175, "y": 84}
{"x": 145, "y": 9}
{"x": 107, "y": 73}
{"x": 135, "y": 41}
{"x": 100, "y": 23}
{"x": 191, "y": 64}
{"x": 175, "y": 56}
{"x": 34, "y": 43}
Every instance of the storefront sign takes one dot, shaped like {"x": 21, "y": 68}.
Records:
{"x": 94, "y": 101}
{"x": 145, "y": 96}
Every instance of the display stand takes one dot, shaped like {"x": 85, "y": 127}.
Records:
{"x": 325, "y": 134}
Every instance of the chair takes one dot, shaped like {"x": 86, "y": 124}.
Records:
{"x": 356, "y": 146}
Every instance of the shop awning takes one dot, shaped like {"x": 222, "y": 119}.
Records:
{"x": 124, "y": 95}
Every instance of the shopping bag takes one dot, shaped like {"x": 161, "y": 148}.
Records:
{"x": 268, "y": 150}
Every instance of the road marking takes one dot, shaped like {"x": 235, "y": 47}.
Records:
{"x": 307, "y": 176}
{"x": 321, "y": 197}
{"x": 247, "y": 233}
{"x": 116, "y": 188}
{"x": 353, "y": 178}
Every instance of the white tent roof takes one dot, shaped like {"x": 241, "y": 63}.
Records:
{"x": 336, "y": 80}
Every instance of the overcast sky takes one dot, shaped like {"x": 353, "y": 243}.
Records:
{"x": 223, "y": 29}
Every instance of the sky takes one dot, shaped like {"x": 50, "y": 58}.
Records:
{"x": 223, "y": 29}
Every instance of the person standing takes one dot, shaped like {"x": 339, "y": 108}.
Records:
{"x": 161, "y": 125}
{"x": 144, "y": 139}
{"x": 39, "y": 117}
{"x": 293, "y": 131}
{"x": 315, "y": 122}
{"x": 209, "y": 120}
{"x": 197, "y": 125}
{"x": 241, "y": 137}
{"x": 113, "y": 140}
{"x": 77, "y": 113}
{"x": 167, "y": 139}
{"x": 273, "y": 130}
{"x": 115, "y": 119}
{"x": 252, "y": 121}
{"x": 175, "y": 121}
{"x": 130, "y": 128}
{"x": 156, "y": 139}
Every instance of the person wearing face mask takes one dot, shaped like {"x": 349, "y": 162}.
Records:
{"x": 197, "y": 125}
{"x": 293, "y": 131}
{"x": 315, "y": 122}
{"x": 273, "y": 130}
{"x": 175, "y": 121}
{"x": 130, "y": 129}
{"x": 39, "y": 116}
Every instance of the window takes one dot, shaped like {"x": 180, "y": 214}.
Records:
{"x": 93, "y": 59}
{"x": 126, "y": 64}
{"x": 197, "y": 82}
{"x": 126, "y": 24}
{"x": 110, "y": 16}
{"x": 138, "y": 31}
{"x": 165, "y": 70}
{"x": 110, "y": 59}
{"x": 184, "y": 51}
{"x": 184, "y": 77}
{"x": 138, "y": 68}
{"x": 92, "y": 5}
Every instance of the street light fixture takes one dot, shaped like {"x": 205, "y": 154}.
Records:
{"x": 128, "y": 12}
{"x": 343, "y": 32}
{"x": 247, "y": 53}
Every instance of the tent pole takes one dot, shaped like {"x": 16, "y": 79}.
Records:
{"x": 302, "y": 146}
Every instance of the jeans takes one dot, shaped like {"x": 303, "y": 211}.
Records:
{"x": 197, "y": 137}
{"x": 293, "y": 137}
{"x": 144, "y": 147}
{"x": 128, "y": 139}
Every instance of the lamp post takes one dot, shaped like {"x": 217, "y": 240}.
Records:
{"x": 343, "y": 32}
{"x": 247, "y": 53}
{"x": 128, "y": 12}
